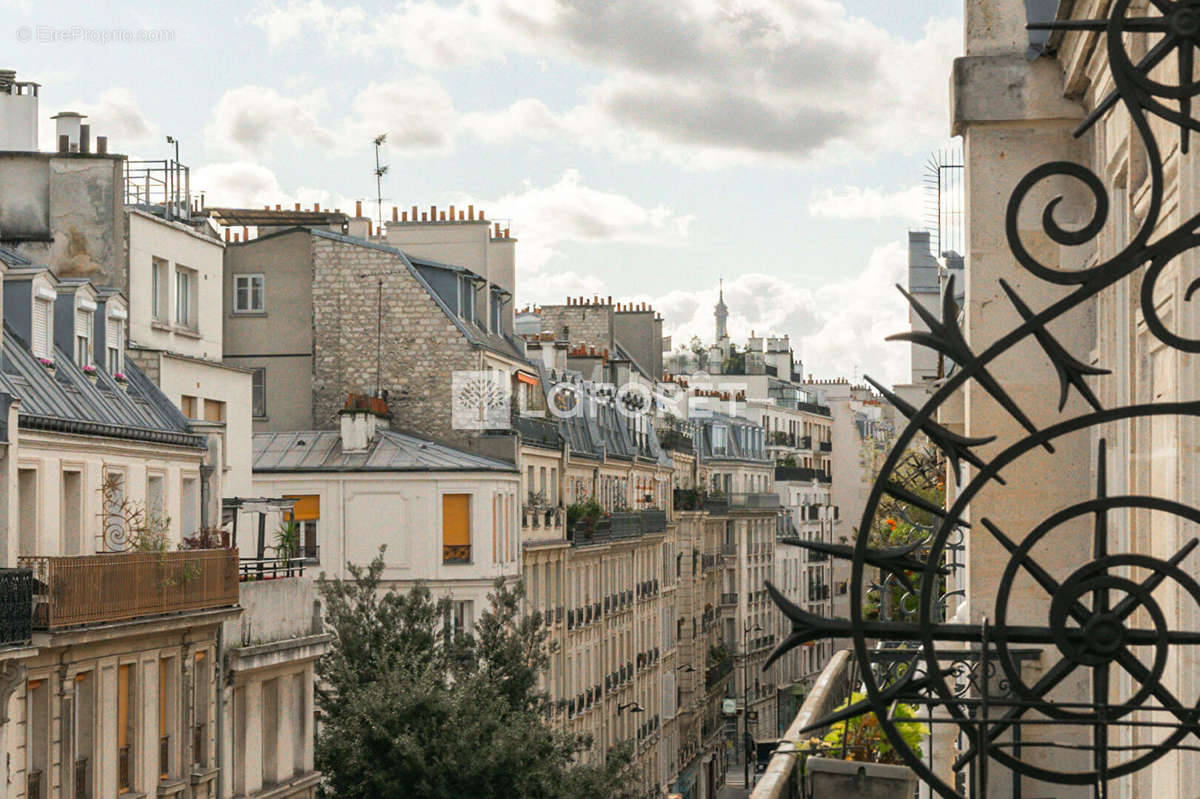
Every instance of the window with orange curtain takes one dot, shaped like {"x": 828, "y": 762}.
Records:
{"x": 456, "y": 528}
{"x": 306, "y": 513}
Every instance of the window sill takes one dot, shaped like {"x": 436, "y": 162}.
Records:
{"x": 189, "y": 332}
{"x": 170, "y": 787}
{"x": 159, "y": 324}
{"x": 249, "y": 313}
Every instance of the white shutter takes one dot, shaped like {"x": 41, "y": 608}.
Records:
{"x": 112, "y": 334}
{"x": 40, "y": 334}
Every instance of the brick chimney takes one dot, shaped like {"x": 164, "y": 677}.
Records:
{"x": 361, "y": 420}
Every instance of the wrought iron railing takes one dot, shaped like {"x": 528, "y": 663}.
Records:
{"x": 200, "y": 744}
{"x": 82, "y": 781}
{"x": 16, "y": 606}
{"x": 164, "y": 756}
{"x": 800, "y": 474}
{"x": 93, "y": 589}
{"x": 252, "y": 569}
{"x": 123, "y": 766}
{"x": 33, "y": 785}
{"x": 456, "y": 553}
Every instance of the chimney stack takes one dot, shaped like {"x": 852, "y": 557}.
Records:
{"x": 18, "y": 113}
{"x": 68, "y": 123}
{"x": 360, "y": 421}
{"x": 358, "y": 208}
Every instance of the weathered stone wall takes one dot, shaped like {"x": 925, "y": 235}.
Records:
{"x": 421, "y": 346}
{"x": 591, "y": 325}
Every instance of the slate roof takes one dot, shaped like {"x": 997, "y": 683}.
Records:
{"x": 390, "y": 451}
{"x": 736, "y": 447}
{"x": 65, "y": 400}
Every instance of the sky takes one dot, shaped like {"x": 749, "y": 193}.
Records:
{"x": 639, "y": 150}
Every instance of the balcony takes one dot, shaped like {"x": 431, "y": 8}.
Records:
{"x": 95, "y": 589}
{"x": 717, "y": 672}
{"x": 671, "y": 439}
{"x": 456, "y": 553}
{"x": 538, "y": 432}
{"x": 826, "y": 446}
{"x": 251, "y": 569}
{"x": 730, "y": 599}
{"x": 618, "y": 526}
{"x": 804, "y": 442}
{"x": 754, "y": 500}
{"x": 800, "y": 474}
{"x": 16, "y": 606}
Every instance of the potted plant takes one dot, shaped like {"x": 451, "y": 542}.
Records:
{"x": 121, "y": 379}
{"x": 90, "y": 372}
{"x": 856, "y": 759}
{"x": 583, "y": 516}
{"x": 48, "y": 363}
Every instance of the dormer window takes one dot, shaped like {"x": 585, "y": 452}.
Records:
{"x": 720, "y": 440}
{"x": 42, "y": 329}
{"x": 84, "y": 311}
{"x": 114, "y": 339}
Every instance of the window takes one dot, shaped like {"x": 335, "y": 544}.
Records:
{"x": 158, "y": 289}
{"x": 156, "y": 507}
{"x": 114, "y": 343}
{"x": 462, "y": 617}
{"x": 168, "y": 680}
{"x": 81, "y": 739}
{"x": 42, "y": 343}
{"x": 37, "y": 753}
{"x": 214, "y": 410}
{"x": 125, "y": 728}
{"x": 258, "y": 392}
{"x": 72, "y": 513}
{"x": 27, "y": 502}
{"x": 189, "y": 506}
{"x": 456, "y": 528}
{"x": 249, "y": 294}
{"x": 185, "y": 297}
{"x": 83, "y": 337}
{"x": 202, "y": 691}
{"x": 306, "y": 513}
{"x": 270, "y": 731}
{"x": 189, "y": 406}
{"x": 719, "y": 438}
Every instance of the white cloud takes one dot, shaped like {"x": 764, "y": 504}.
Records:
{"x": 249, "y": 119}
{"x": 569, "y": 210}
{"x": 837, "y": 330}
{"x": 700, "y": 82}
{"x": 417, "y": 114}
{"x": 244, "y": 184}
{"x": 853, "y": 202}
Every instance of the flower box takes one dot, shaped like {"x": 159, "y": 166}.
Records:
{"x": 851, "y": 779}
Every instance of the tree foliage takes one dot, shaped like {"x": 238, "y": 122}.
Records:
{"x": 412, "y": 710}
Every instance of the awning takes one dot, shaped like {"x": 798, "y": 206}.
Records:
{"x": 524, "y": 378}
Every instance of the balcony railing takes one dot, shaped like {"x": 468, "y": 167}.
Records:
{"x": 94, "y": 589}
{"x": 754, "y": 500}
{"x": 251, "y": 569}
{"x": 123, "y": 755}
{"x": 832, "y": 687}
{"x": 826, "y": 446}
{"x": 199, "y": 744}
{"x": 456, "y": 553}
{"x": 164, "y": 756}
{"x": 16, "y": 606}
{"x": 729, "y": 599}
{"x": 801, "y": 474}
{"x": 714, "y": 674}
{"x": 33, "y": 785}
{"x": 539, "y": 432}
{"x": 81, "y": 778}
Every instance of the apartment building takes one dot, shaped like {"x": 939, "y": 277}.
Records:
{"x": 365, "y": 485}
{"x": 138, "y": 655}
{"x": 339, "y": 315}
{"x": 105, "y": 695}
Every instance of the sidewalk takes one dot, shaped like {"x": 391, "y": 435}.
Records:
{"x": 733, "y": 788}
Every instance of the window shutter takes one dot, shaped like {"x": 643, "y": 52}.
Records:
{"x": 456, "y": 518}
{"x": 307, "y": 508}
{"x": 41, "y": 328}
{"x": 112, "y": 334}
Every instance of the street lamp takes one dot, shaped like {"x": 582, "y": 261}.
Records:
{"x": 746, "y": 630}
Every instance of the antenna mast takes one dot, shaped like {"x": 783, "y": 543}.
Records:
{"x": 380, "y": 171}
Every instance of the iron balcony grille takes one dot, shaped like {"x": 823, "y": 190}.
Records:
{"x": 16, "y": 606}
{"x": 94, "y": 589}
{"x": 253, "y": 569}
{"x": 456, "y": 553}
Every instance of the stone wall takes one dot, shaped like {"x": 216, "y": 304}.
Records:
{"x": 591, "y": 325}
{"x": 421, "y": 346}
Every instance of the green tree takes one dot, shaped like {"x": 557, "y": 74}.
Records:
{"x": 410, "y": 710}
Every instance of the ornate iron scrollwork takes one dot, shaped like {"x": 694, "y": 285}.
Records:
{"x": 1101, "y": 613}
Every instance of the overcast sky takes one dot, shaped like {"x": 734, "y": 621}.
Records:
{"x": 640, "y": 149}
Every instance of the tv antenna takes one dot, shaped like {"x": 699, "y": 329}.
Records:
{"x": 380, "y": 171}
